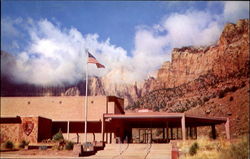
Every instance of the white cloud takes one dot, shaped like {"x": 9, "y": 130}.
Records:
{"x": 153, "y": 45}
{"x": 55, "y": 55}
{"x": 233, "y": 10}
{"x": 191, "y": 28}
{"x": 8, "y": 26}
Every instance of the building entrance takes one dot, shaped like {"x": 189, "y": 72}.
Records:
{"x": 145, "y": 135}
{"x": 148, "y": 135}
{"x": 158, "y": 127}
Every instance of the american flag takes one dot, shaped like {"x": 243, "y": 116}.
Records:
{"x": 92, "y": 59}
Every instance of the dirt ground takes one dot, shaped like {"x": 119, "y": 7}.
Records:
{"x": 49, "y": 153}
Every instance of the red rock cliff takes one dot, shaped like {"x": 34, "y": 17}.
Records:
{"x": 229, "y": 56}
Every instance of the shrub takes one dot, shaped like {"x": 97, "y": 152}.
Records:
{"x": 156, "y": 109}
{"x": 205, "y": 99}
{"x": 193, "y": 149}
{"x": 9, "y": 145}
{"x": 69, "y": 145}
{"x": 238, "y": 150}
{"x": 23, "y": 144}
{"x": 58, "y": 136}
{"x": 221, "y": 94}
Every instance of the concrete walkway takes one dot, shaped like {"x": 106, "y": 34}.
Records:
{"x": 111, "y": 151}
{"x": 132, "y": 151}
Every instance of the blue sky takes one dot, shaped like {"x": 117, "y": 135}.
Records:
{"x": 110, "y": 19}
{"x": 132, "y": 38}
{"x": 114, "y": 20}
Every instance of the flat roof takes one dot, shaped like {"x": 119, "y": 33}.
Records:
{"x": 144, "y": 115}
{"x": 161, "y": 117}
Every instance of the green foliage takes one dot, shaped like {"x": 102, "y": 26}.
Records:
{"x": 222, "y": 93}
{"x": 238, "y": 150}
{"x": 133, "y": 106}
{"x": 69, "y": 145}
{"x": 193, "y": 149}
{"x": 58, "y": 136}
{"x": 156, "y": 109}
{"x": 9, "y": 145}
{"x": 205, "y": 99}
{"x": 23, "y": 144}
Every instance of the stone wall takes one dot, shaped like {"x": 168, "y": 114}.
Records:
{"x": 26, "y": 130}
{"x": 9, "y": 132}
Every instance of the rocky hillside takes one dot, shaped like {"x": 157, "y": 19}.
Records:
{"x": 229, "y": 56}
{"x": 211, "y": 81}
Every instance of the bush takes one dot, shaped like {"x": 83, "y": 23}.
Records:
{"x": 23, "y": 144}
{"x": 193, "y": 149}
{"x": 238, "y": 150}
{"x": 205, "y": 99}
{"x": 58, "y": 136}
{"x": 221, "y": 94}
{"x": 9, "y": 145}
{"x": 69, "y": 145}
{"x": 156, "y": 109}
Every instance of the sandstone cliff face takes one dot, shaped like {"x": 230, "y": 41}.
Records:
{"x": 230, "y": 55}
{"x": 130, "y": 92}
{"x": 208, "y": 81}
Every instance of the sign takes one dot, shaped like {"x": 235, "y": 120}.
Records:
{"x": 28, "y": 127}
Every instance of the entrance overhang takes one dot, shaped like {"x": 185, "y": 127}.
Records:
{"x": 162, "y": 120}
{"x": 162, "y": 117}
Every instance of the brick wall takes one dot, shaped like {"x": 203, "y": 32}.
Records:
{"x": 55, "y": 108}
{"x": 26, "y": 129}
{"x": 33, "y": 135}
{"x": 9, "y": 132}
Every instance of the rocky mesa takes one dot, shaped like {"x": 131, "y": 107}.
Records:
{"x": 228, "y": 56}
{"x": 209, "y": 81}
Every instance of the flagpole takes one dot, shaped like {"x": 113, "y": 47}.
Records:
{"x": 86, "y": 100}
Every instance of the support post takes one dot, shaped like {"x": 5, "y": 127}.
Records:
{"x": 151, "y": 135}
{"x": 177, "y": 133}
{"x": 167, "y": 131}
{"x": 67, "y": 130}
{"x": 195, "y": 129}
{"x": 110, "y": 138}
{"x": 183, "y": 127}
{"x": 103, "y": 127}
{"x": 107, "y": 137}
{"x": 213, "y": 132}
{"x": 139, "y": 135}
{"x": 163, "y": 133}
{"x": 171, "y": 133}
{"x": 190, "y": 132}
{"x": 227, "y": 127}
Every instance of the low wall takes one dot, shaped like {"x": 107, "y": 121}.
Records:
{"x": 18, "y": 129}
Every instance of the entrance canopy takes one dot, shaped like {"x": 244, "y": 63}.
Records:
{"x": 159, "y": 118}
{"x": 125, "y": 122}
